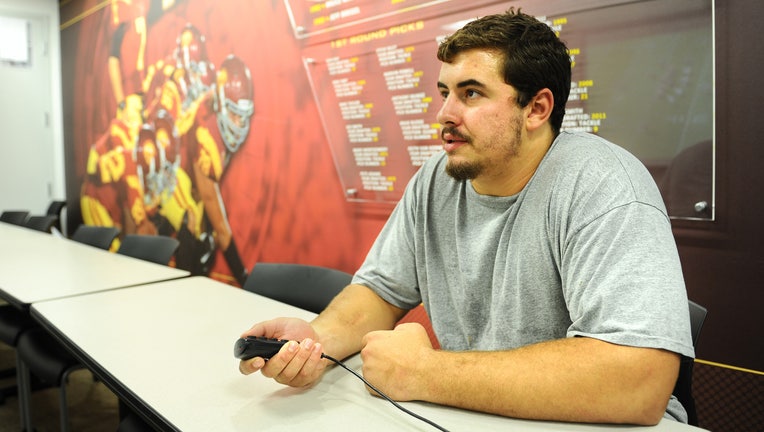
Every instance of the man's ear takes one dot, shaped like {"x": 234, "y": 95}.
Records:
{"x": 539, "y": 109}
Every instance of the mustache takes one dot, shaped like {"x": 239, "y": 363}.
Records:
{"x": 450, "y": 130}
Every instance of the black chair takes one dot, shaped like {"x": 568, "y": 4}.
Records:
{"x": 56, "y": 208}
{"x": 13, "y": 322}
{"x": 48, "y": 359}
{"x": 304, "y": 286}
{"x": 44, "y": 357}
{"x": 97, "y": 236}
{"x": 683, "y": 387}
{"x": 43, "y": 223}
{"x": 15, "y": 217}
{"x": 155, "y": 248}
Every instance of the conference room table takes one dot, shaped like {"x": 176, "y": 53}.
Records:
{"x": 166, "y": 350}
{"x": 36, "y": 266}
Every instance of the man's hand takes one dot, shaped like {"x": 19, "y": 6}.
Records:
{"x": 390, "y": 359}
{"x": 296, "y": 364}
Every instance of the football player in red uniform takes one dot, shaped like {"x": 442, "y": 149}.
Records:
{"x": 112, "y": 193}
{"x": 157, "y": 160}
{"x": 220, "y": 126}
{"x": 178, "y": 81}
{"x": 128, "y": 72}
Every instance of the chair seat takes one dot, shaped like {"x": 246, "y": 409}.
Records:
{"x": 45, "y": 356}
{"x": 13, "y": 322}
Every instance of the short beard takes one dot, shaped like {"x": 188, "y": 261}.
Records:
{"x": 463, "y": 171}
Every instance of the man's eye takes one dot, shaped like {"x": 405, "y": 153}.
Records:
{"x": 471, "y": 94}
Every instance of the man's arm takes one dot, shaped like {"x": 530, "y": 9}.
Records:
{"x": 354, "y": 312}
{"x": 209, "y": 192}
{"x": 338, "y": 331}
{"x": 574, "y": 379}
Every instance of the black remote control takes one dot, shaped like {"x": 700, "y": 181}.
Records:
{"x": 257, "y": 346}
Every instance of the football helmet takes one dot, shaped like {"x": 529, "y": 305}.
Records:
{"x": 167, "y": 137}
{"x": 157, "y": 158}
{"x": 233, "y": 101}
{"x": 191, "y": 57}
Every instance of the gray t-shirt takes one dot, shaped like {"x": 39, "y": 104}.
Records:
{"x": 585, "y": 249}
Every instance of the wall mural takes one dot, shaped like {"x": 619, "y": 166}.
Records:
{"x": 287, "y": 130}
{"x": 195, "y": 119}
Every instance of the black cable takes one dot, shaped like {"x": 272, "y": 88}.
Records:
{"x": 379, "y": 392}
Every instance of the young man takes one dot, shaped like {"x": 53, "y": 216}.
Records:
{"x": 545, "y": 260}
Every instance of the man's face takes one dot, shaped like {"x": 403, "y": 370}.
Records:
{"x": 482, "y": 123}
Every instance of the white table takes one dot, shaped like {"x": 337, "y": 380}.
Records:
{"x": 37, "y": 266}
{"x": 167, "y": 350}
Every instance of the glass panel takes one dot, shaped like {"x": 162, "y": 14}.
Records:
{"x": 642, "y": 78}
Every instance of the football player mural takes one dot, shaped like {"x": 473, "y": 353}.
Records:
{"x": 212, "y": 129}
{"x": 157, "y": 160}
{"x": 112, "y": 194}
{"x": 112, "y": 190}
{"x": 179, "y": 122}
{"x": 177, "y": 82}
{"x": 162, "y": 101}
{"x": 219, "y": 127}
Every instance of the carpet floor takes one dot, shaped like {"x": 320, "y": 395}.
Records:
{"x": 92, "y": 406}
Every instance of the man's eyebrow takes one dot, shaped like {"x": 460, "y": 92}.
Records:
{"x": 462, "y": 84}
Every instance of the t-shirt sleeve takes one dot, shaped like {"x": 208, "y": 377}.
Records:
{"x": 390, "y": 266}
{"x": 623, "y": 281}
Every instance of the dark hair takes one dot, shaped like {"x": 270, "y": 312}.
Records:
{"x": 534, "y": 57}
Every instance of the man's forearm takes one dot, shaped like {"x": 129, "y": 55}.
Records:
{"x": 209, "y": 191}
{"x": 355, "y": 311}
{"x": 575, "y": 379}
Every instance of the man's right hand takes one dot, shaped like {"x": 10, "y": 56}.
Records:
{"x": 296, "y": 364}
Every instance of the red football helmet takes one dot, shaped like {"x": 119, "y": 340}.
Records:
{"x": 191, "y": 56}
{"x": 234, "y": 101}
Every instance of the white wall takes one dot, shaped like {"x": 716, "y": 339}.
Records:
{"x": 12, "y": 194}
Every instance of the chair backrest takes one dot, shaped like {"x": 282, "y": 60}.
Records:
{"x": 16, "y": 217}
{"x": 304, "y": 286}
{"x": 155, "y": 248}
{"x": 683, "y": 387}
{"x": 97, "y": 236}
{"x": 57, "y": 208}
{"x": 697, "y": 317}
{"x": 42, "y": 223}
